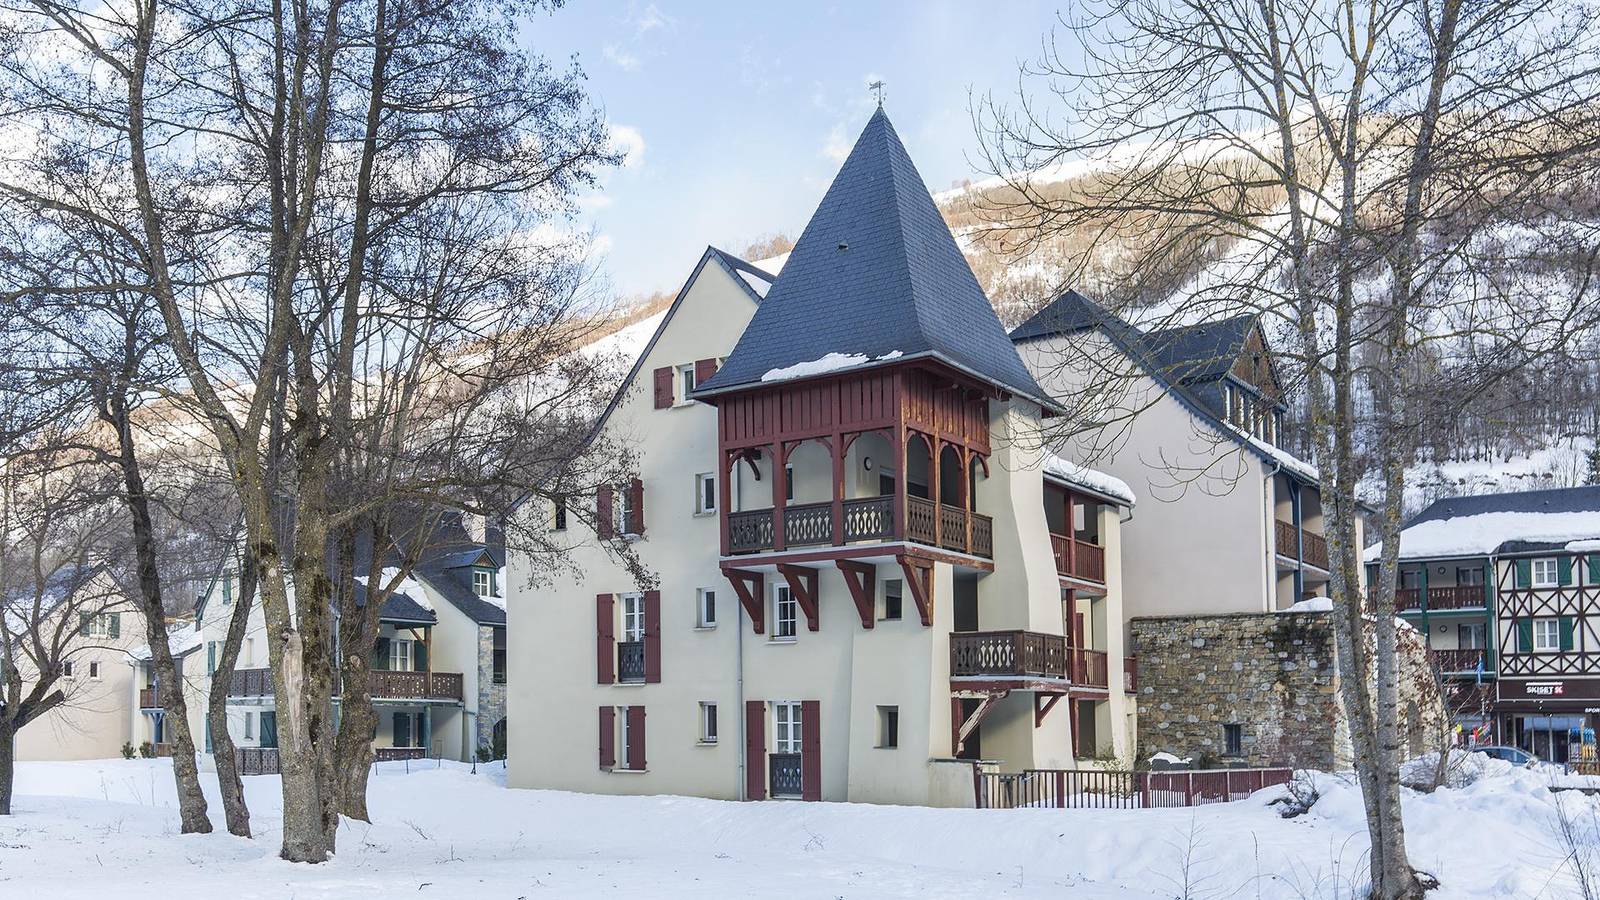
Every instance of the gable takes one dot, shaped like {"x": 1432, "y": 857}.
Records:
{"x": 1254, "y": 366}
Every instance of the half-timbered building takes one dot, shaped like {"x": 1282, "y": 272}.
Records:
{"x": 868, "y": 572}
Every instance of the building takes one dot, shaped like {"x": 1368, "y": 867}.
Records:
{"x": 439, "y": 670}
{"x": 1195, "y": 417}
{"x": 96, "y": 680}
{"x": 867, "y": 571}
{"x": 1505, "y": 586}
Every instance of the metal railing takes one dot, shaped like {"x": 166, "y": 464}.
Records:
{"x": 1114, "y": 789}
{"x": 786, "y": 778}
{"x": 394, "y": 754}
{"x": 630, "y": 662}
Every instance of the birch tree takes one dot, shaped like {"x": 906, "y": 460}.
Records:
{"x": 1334, "y": 167}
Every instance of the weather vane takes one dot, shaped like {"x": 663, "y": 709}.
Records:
{"x": 877, "y": 88}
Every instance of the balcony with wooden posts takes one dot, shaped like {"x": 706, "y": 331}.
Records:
{"x": 150, "y": 697}
{"x": 1017, "y": 658}
{"x": 1074, "y": 524}
{"x": 1461, "y": 662}
{"x": 1301, "y": 544}
{"x": 886, "y": 456}
{"x": 1463, "y": 597}
{"x": 433, "y": 687}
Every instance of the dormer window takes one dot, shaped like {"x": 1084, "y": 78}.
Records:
{"x": 483, "y": 583}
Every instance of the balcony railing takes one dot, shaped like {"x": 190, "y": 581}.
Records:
{"x": 1089, "y": 668}
{"x": 392, "y": 754}
{"x": 1078, "y": 559}
{"x": 785, "y": 776}
{"x": 416, "y": 685}
{"x": 1465, "y": 596}
{"x": 1130, "y": 674}
{"x": 150, "y": 697}
{"x": 865, "y": 519}
{"x": 807, "y": 524}
{"x": 257, "y": 760}
{"x": 251, "y": 683}
{"x": 869, "y": 519}
{"x": 630, "y": 662}
{"x": 1008, "y": 653}
{"x": 1453, "y": 662}
{"x": 750, "y": 531}
{"x": 1315, "y": 545}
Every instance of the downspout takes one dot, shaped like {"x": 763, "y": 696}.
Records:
{"x": 1272, "y": 536}
{"x": 1299, "y": 541}
{"x": 738, "y": 677}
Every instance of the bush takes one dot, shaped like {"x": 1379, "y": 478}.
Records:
{"x": 1302, "y": 794}
{"x": 147, "y": 750}
{"x": 127, "y": 750}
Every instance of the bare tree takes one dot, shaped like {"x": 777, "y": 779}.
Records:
{"x": 1333, "y": 167}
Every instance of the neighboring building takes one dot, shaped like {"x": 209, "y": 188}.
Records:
{"x": 97, "y": 682}
{"x": 867, "y": 572}
{"x": 438, "y": 667}
{"x": 1232, "y": 522}
{"x": 1508, "y": 584}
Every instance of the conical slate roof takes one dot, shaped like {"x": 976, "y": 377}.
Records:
{"x": 875, "y": 278}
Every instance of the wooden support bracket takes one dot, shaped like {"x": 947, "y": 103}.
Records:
{"x": 750, "y": 586}
{"x": 962, "y": 730}
{"x": 1042, "y": 704}
{"x": 919, "y": 575}
{"x": 861, "y": 579}
{"x": 803, "y": 586}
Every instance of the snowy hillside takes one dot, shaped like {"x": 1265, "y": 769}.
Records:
{"x": 107, "y": 829}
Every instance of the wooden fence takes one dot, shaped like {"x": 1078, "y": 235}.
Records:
{"x": 1113, "y": 789}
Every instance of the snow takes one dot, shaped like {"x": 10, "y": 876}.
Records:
{"x": 108, "y": 828}
{"x": 831, "y": 362}
{"x": 1583, "y": 546}
{"x": 1312, "y": 604}
{"x": 772, "y": 264}
{"x": 184, "y": 637}
{"x": 1481, "y": 534}
{"x": 627, "y": 342}
{"x": 1170, "y": 759}
{"x": 756, "y": 282}
{"x": 1089, "y": 479}
{"x": 1287, "y": 460}
{"x": 408, "y": 586}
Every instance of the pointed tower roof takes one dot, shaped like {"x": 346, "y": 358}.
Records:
{"x": 875, "y": 278}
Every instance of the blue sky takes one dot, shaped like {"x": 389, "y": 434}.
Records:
{"x": 738, "y": 114}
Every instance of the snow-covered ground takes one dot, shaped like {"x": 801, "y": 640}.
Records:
{"x": 107, "y": 829}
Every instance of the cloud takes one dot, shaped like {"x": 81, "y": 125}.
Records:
{"x": 627, "y": 140}
{"x": 648, "y": 19}
{"x": 621, "y": 58}
{"x": 837, "y": 146}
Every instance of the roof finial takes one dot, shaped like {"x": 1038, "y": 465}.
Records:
{"x": 877, "y": 88}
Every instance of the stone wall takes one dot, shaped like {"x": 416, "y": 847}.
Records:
{"x": 1274, "y": 675}
{"x": 491, "y": 696}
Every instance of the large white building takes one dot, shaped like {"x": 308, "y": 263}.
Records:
{"x": 868, "y": 569}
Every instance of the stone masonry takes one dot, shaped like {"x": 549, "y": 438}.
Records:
{"x": 491, "y": 696}
{"x": 1272, "y": 675}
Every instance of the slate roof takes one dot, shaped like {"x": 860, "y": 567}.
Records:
{"x": 876, "y": 276}
{"x": 1068, "y": 313}
{"x": 1552, "y": 500}
{"x": 1506, "y": 523}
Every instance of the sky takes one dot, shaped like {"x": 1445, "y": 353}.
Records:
{"x": 736, "y": 115}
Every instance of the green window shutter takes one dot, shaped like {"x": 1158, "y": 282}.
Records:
{"x": 83, "y": 624}
{"x": 116, "y": 625}
{"x": 419, "y": 656}
{"x": 1564, "y": 570}
{"x": 211, "y": 657}
{"x": 208, "y": 732}
{"x": 1524, "y": 573}
{"x": 1566, "y": 633}
{"x": 227, "y": 589}
{"x": 1524, "y": 635}
{"x": 1591, "y": 565}
{"x": 380, "y": 655}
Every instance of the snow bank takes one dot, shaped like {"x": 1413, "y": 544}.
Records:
{"x": 1089, "y": 479}
{"x": 1312, "y": 604}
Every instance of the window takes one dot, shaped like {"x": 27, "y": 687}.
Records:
{"x": 1469, "y": 576}
{"x": 104, "y": 625}
{"x": 399, "y": 659}
{"x": 66, "y": 669}
{"x": 249, "y": 724}
{"x": 708, "y": 723}
{"x": 1470, "y": 636}
{"x": 705, "y": 493}
{"x": 94, "y": 670}
{"x": 628, "y": 737}
{"x": 705, "y": 608}
{"x": 211, "y": 657}
{"x": 786, "y": 726}
{"x": 888, "y": 727}
{"x": 402, "y": 730}
{"x": 247, "y": 653}
{"x": 788, "y": 482}
{"x": 1233, "y": 740}
{"x": 499, "y": 663}
{"x": 1544, "y": 573}
{"x": 227, "y": 588}
{"x": 633, "y": 617}
{"x": 783, "y": 613}
{"x": 558, "y": 515}
{"x": 483, "y": 583}
{"x": 891, "y": 599}
{"x": 685, "y": 383}
{"x": 1410, "y": 579}
{"x": 624, "y": 505}
{"x": 1546, "y": 635}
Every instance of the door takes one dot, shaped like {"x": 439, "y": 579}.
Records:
{"x": 784, "y": 763}
{"x": 269, "y": 729}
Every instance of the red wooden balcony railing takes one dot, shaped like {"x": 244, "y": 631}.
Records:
{"x": 1130, "y": 674}
{"x": 1465, "y": 596}
{"x": 150, "y": 698}
{"x": 385, "y": 685}
{"x": 1315, "y": 546}
{"x": 1078, "y": 559}
{"x": 1089, "y": 668}
{"x": 865, "y": 519}
{"x": 1452, "y": 662}
{"x": 1008, "y": 653}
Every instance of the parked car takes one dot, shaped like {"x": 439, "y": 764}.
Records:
{"x": 1514, "y": 755}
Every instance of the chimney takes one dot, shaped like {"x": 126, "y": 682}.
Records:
{"x": 477, "y": 527}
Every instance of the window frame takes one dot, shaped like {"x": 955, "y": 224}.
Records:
{"x": 1549, "y": 564}
{"x": 788, "y": 482}
{"x": 783, "y": 599}
{"x": 94, "y": 670}
{"x": 497, "y": 656}
{"x": 1480, "y": 632}
{"x": 624, "y": 735}
{"x": 396, "y": 656}
{"x": 632, "y": 610}
{"x": 487, "y": 577}
{"x": 701, "y": 620}
{"x": 708, "y": 723}
{"x": 786, "y": 730}
{"x": 888, "y": 728}
{"x": 704, "y": 506}
{"x": 1547, "y": 626}
{"x": 558, "y": 514}
{"x": 683, "y": 384}
{"x": 899, "y": 600}
{"x": 1233, "y": 739}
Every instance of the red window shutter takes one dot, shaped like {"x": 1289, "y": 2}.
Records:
{"x": 636, "y": 507}
{"x": 652, "y": 637}
{"x": 663, "y": 386}
{"x": 605, "y": 638}
{"x": 810, "y": 750}
{"x": 604, "y": 524}
{"x": 636, "y": 738}
{"x": 755, "y": 750}
{"x": 703, "y": 370}
{"x": 608, "y": 737}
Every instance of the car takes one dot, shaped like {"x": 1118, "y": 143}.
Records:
{"x": 1514, "y": 755}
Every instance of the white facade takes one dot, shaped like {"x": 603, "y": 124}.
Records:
{"x": 92, "y": 723}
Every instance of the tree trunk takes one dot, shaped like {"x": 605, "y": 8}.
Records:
{"x": 229, "y": 784}
{"x": 358, "y": 726}
{"x": 8, "y": 765}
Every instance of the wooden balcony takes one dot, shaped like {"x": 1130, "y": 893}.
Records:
{"x": 436, "y": 686}
{"x": 864, "y": 519}
{"x": 1078, "y": 559}
{"x": 251, "y": 683}
{"x": 1008, "y": 654}
{"x": 1434, "y": 599}
{"x": 150, "y": 697}
{"x": 1089, "y": 668}
{"x": 1457, "y": 662}
{"x": 1290, "y": 545}
{"x": 1130, "y": 675}
{"x": 394, "y": 754}
{"x": 257, "y": 760}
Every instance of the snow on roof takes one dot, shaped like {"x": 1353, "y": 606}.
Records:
{"x": 1483, "y": 533}
{"x": 773, "y": 264}
{"x": 1289, "y": 461}
{"x": 831, "y": 362}
{"x": 183, "y": 638}
{"x": 756, "y": 282}
{"x": 409, "y": 586}
{"x": 1089, "y": 479}
{"x": 628, "y": 341}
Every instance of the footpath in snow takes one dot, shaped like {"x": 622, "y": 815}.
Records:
{"x": 108, "y": 830}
